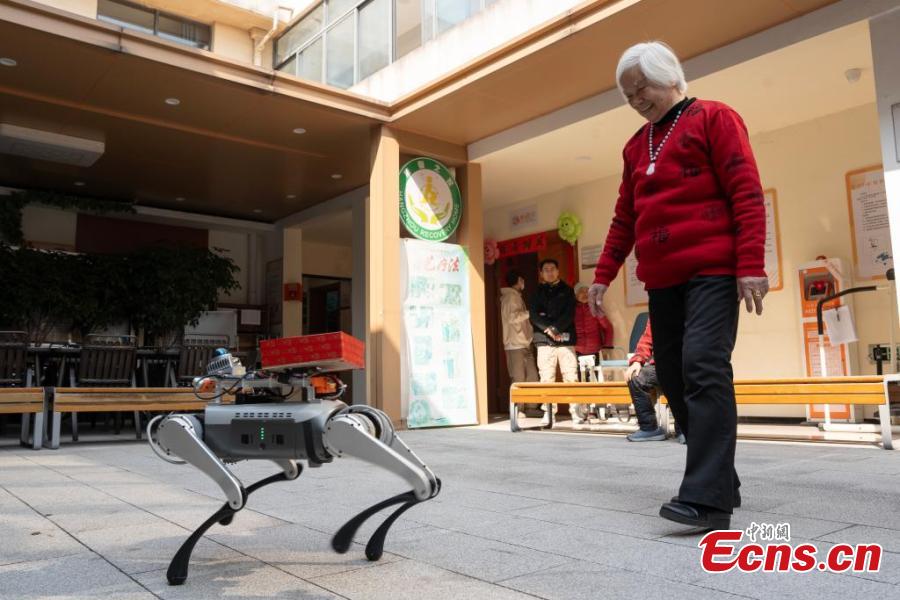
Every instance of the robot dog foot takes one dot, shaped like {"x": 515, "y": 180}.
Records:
{"x": 178, "y": 568}
{"x": 375, "y": 547}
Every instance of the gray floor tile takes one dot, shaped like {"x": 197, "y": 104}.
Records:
{"x": 484, "y": 559}
{"x": 84, "y": 576}
{"x": 298, "y": 550}
{"x": 141, "y": 548}
{"x": 413, "y": 580}
{"x": 239, "y": 578}
{"x": 578, "y": 580}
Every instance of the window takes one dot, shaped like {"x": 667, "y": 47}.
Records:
{"x": 409, "y": 21}
{"x": 170, "y": 27}
{"x": 452, "y": 12}
{"x": 338, "y": 8}
{"x": 299, "y": 34}
{"x": 374, "y": 32}
{"x": 126, "y": 15}
{"x": 179, "y": 30}
{"x": 339, "y": 58}
{"x": 352, "y": 39}
{"x": 311, "y": 62}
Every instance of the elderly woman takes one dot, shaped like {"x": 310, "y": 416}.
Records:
{"x": 691, "y": 206}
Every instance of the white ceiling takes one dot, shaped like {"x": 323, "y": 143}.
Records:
{"x": 798, "y": 83}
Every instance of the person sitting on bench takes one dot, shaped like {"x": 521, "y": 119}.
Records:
{"x": 641, "y": 378}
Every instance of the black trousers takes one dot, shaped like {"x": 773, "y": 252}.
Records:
{"x": 694, "y": 327}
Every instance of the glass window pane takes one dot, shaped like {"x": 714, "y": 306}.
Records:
{"x": 289, "y": 67}
{"x": 126, "y": 15}
{"x": 310, "y": 66}
{"x": 299, "y": 34}
{"x": 180, "y": 30}
{"x": 453, "y": 12}
{"x": 409, "y": 26}
{"x": 374, "y": 36}
{"x": 339, "y": 62}
{"x": 337, "y": 8}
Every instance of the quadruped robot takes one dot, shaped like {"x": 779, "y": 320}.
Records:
{"x": 278, "y": 416}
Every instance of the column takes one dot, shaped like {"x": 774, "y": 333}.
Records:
{"x": 471, "y": 236}
{"x": 383, "y": 311}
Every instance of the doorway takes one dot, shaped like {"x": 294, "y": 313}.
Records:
{"x": 522, "y": 254}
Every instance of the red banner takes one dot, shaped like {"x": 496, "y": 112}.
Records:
{"x": 523, "y": 245}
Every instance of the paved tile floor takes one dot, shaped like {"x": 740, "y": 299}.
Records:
{"x": 529, "y": 515}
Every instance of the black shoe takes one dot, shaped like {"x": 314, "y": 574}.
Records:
{"x": 737, "y": 499}
{"x": 701, "y": 517}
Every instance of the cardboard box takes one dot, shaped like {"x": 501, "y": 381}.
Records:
{"x": 327, "y": 351}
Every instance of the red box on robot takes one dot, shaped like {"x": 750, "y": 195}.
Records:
{"x": 326, "y": 351}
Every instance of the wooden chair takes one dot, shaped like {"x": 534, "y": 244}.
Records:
{"x": 196, "y": 352}
{"x": 105, "y": 361}
{"x": 14, "y": 370}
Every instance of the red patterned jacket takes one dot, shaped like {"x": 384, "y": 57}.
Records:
{"x": 700, "y": 213}
{"x": 591, "y": 333}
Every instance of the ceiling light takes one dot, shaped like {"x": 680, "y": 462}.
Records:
{"x": 853, "y": 75}
{"x": 179, "y": 199}
{"x": 336, "y": 176}
{"x": 173, "y": 101}
{"x": 8, "y": 62}
{"x": 79, "y": 183}
{"x": 291, "y": 196}
{"x": 257, "y": 210}
{"x": 299, "y": 131}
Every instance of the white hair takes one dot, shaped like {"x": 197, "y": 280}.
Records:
{"x": 656, "y": 61}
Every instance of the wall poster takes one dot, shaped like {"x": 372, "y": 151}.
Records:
{"x": 773, "y": 241}
{"x": 635, "y": 294}
{"x": 436, "y": 352}
{"x": 869, "y": 225}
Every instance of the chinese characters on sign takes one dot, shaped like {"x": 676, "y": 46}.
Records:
{"x": 438, "y": 362}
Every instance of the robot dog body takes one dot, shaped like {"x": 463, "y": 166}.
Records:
{"x": 272, "y": 420}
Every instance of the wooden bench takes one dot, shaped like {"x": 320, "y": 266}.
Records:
{"x": 610, "y": 392}
{"x": 125, "y": 399}
{"x": 859, "y": 391}
{"x": 27, "y": 401}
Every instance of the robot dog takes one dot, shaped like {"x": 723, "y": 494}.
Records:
{"x": 278, "y": 415}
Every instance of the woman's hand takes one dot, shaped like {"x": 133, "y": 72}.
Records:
{"x": 595, "y": 299}
{"x": 632, "y": 371}
{"x": 752, "y": 290}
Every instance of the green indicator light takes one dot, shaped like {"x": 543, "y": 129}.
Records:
{"x": 262, "y": 433}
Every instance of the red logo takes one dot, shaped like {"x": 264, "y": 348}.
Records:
{"x": 773, "y": 553}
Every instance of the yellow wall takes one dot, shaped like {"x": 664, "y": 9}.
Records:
{"x": 232, "y": 42}
{"x": 85, "y": 8}
{"x": 806, "y": 164}
{"x": 327, "y": 259}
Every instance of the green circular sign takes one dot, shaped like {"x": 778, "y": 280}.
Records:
{"x": 430, "y": 202}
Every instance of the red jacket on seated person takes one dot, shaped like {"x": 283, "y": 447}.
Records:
{"x": 643, "y": 352}
{"x": 591, "y": 333}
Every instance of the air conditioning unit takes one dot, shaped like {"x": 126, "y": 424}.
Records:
{"x": 45, "y": 145}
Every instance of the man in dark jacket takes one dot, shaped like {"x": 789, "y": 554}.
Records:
{"x": 552, "y": 309}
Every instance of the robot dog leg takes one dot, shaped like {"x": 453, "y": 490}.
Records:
{"x": 368, "y": 434}
{"x": 181, "y": 435}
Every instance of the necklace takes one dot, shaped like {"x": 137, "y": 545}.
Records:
{"x": 654, "y": 155}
